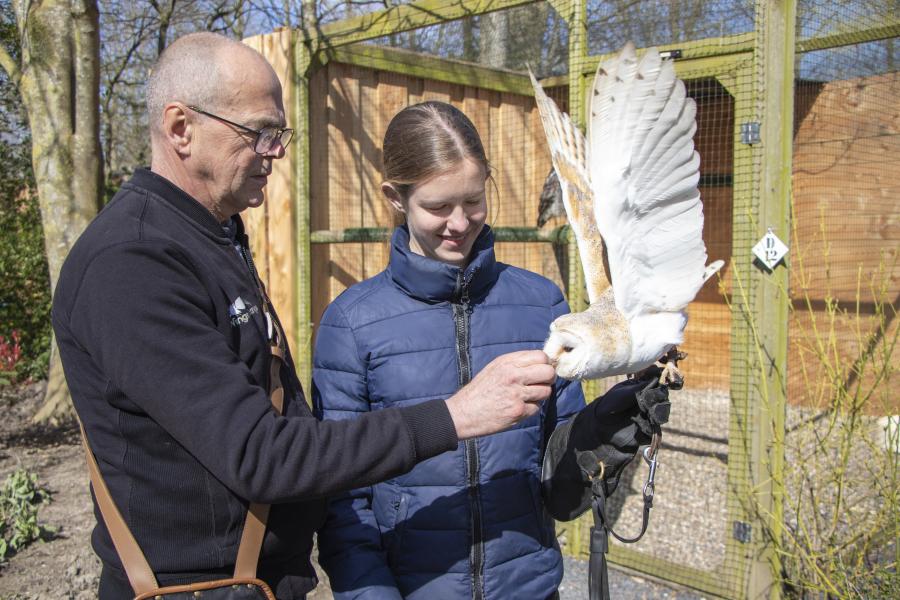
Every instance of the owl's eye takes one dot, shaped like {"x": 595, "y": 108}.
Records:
{"x": 567, "y": 348}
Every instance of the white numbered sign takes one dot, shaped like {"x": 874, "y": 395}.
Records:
{"x": 770, "y": 250}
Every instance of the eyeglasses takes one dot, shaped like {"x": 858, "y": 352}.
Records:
{"x": 266, "y": 138}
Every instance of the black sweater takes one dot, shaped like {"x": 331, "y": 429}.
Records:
{"x": 163, "y": 341}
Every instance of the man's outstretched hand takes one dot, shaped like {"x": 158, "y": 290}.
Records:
{"x": 510, "y": 388}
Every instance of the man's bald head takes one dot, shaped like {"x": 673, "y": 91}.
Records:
{"x": 199, "y": 69}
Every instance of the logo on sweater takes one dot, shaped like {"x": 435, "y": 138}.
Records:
{"x": 240, "y": 313}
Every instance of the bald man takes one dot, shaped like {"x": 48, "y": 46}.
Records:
{"x": 165, "y": 339}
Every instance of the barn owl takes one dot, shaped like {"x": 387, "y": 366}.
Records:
{"x": 631, "y": 197}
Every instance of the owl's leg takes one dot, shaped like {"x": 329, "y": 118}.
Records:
{"x": 671, "y": 375}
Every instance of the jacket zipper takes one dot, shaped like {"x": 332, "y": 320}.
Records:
{"x": 263, "y": 305}
{"x": 462, "y": 310}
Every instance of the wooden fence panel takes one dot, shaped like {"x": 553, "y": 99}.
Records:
{"x": 844, "y": 184}
{"x": 271, "y": 227}
{"x": 353, "y": 165}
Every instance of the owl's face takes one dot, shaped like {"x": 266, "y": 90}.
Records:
{"x": 573, "y": 352}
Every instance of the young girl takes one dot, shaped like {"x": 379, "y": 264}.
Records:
{"x": 469, "y": 523}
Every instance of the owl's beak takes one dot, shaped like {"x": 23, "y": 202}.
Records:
{"x": 552, "y": 350}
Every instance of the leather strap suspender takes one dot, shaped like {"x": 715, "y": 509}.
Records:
{"x": 140, "y": 575}
{"x": 258, "y": 514}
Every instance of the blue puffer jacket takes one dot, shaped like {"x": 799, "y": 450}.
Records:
{"x": 464, "y": 524}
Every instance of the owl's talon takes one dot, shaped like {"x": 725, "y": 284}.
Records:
{"x": 671, "y": 375}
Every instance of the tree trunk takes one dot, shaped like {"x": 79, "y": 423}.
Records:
{"x": 494, "y": 38}
{"x": 58, "y": 81}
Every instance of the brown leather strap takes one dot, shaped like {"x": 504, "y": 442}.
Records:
{"x": 140, "y": 575}
{"x": 251, "y": 541}
{"x": 258, "y": 514}
{"x": 184, "y": 591}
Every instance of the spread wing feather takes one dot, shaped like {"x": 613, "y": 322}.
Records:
{"x": 569, "y": 153}
{"x": 644, "y": 178}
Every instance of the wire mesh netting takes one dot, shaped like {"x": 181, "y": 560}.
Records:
{"x": 493, "y": 51}
{"x": 691, "y": 536}
{"x": 653, "y": 23}
{"x": 708, "y": 525}
{"x": 534, "y": 35}
{"x": 842, "y": 521}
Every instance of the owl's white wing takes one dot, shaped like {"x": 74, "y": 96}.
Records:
{"x": 568, "y": 151}
{"x": 644, "y": 173}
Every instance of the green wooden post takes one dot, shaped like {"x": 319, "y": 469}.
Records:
{"x": 575, "y": 14}
{"x": 745, "y": 201}
{"x": 300, "y": 181}
{"x": 770, "y": 309}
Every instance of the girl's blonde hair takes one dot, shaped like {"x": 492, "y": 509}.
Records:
{"x": 426, "y": 139}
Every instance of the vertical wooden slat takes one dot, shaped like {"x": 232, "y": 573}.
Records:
{"x": 320, "y": 188}
{"x": 369, "y": 136}
{"x": 272, "y": 227}
{"x": 416, "y": 90}
{"x": 392, "y": 97}
{"x": 343, "y": 169}
{"x": 436, "y": 90}
{"x": 280, "y": 223}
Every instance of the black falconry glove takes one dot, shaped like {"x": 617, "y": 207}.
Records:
{"x": 595, "y": 445}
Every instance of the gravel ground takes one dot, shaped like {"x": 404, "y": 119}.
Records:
{"x": 689, "y": 517}
{"x": 621, "y": 585}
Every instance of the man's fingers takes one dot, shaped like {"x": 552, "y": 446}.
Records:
{"x": 535, "y": 394}
{"x": 526, "y": 358}
{"x": 536, "y": 374}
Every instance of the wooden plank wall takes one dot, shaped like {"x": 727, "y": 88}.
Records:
{"x": 351, "y": 108}
{"x": 846, "y": 185}
{"x": 271, "y": 227}
{"x": 847, "y": 232}
{"x": 708, "y": 335}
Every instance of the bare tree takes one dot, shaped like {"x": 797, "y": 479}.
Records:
{"x": 494, "y": 39}
{"x": 57, "y": 77}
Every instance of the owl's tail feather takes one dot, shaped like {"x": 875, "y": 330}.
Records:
{"x": 712, "y": 268}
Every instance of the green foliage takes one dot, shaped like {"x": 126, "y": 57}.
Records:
{"x": 25, "y": 284}
{"x": 20, "y": 499}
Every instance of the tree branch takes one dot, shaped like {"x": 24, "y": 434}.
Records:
{"x": 10, "y": 66}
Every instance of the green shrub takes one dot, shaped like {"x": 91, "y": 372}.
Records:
{"x": 25, "y": 284}
{"x": 20, "y": 499}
